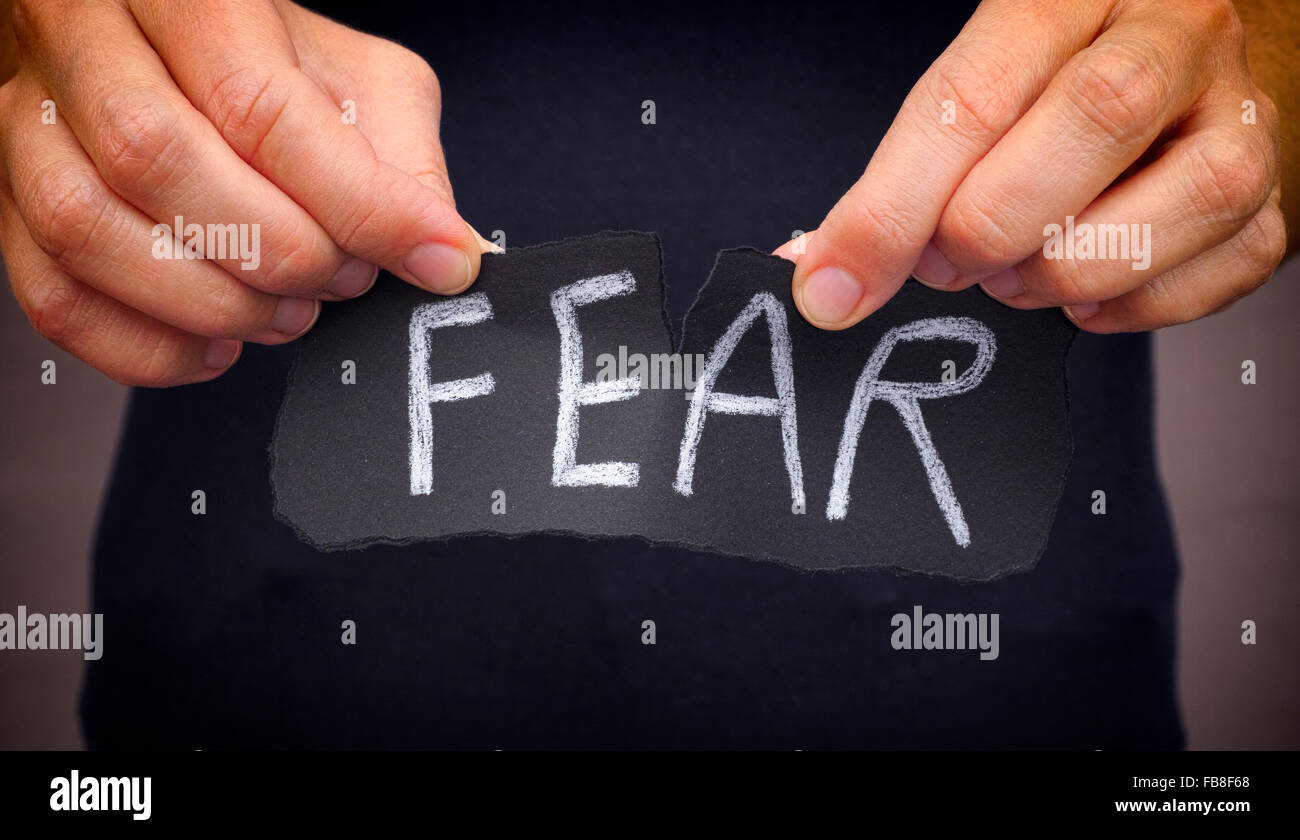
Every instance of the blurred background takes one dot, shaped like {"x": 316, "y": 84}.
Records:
{"x": 1228, "y": 452}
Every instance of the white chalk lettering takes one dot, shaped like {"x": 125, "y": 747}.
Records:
{"x": 706, "y": 399}
{"x": 575, "y": 393}
{"x": 905, "y": 398}
{"x": 457, "y": 312}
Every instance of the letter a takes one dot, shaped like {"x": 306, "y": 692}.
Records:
{"x": 705, "y": 399}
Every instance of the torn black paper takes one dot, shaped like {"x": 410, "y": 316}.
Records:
{"x": 932, "y": 437}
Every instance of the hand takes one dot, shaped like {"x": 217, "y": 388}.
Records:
{"x": 1137, "y": 112}
{"x": 235, "y": 116}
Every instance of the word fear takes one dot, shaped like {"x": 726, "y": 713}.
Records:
{"x": 574, "y": 393}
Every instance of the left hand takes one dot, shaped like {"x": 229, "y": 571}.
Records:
{"x": 1128, "y": 112}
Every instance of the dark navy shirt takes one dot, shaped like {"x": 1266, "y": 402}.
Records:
{"x": 224, "y": 630}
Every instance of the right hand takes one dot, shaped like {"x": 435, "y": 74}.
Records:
{"x": 224, "y": 113}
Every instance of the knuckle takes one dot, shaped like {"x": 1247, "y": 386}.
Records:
{"x": 976, "y": 233}
{"x": 885, "y": 220}
{"x": 1263, "y": 242}
{"x": 1231, "y": 179}
{"x": 138, "y": 143}
{"x": 1061, "y": 281}
{"x": 1163, "y": 303}
{"x": 1119, "y": 88}
{"x": 245, "y": 105}
{"x": 157, "y": 364}
{"x": 413, "y": 69}
{"x": 227, "y": 315}
{"x": 982, "y": 84}
{"x": 877, "y": 221}
{"x": 55, "y": 311}
{"x": 359, "y": 226}
{"x": 65, "y": 210}
{"x": 295, "y": 265}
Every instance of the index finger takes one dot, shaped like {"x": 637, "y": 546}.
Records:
{"x": 989, "y": 76}
{"x": 290, "y": 130}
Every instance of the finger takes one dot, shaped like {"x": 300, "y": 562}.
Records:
{"x": 290, "y": 130}
{"x": 124, "y": 344}
{"x": 392, "y": 94}
{"x": 156, "y": 151}
{"x": 1200, "y": 192}
{"x": 972, "y": 94}
{"x": 1204, "y": 285}
{"x": 106, "y": 243}
{"x": 1099, "y": 114}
